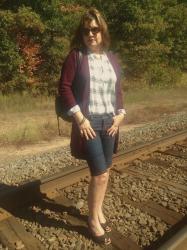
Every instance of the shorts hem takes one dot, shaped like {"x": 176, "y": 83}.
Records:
{"x": 100, "y": 173}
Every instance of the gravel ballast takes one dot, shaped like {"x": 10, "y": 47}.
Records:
{"x": 53, "y": 231}
{"x": 50, "y": 226}
{"x": 170, "y": 171}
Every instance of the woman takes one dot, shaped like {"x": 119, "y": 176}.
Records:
{"x": 90, "y": 87}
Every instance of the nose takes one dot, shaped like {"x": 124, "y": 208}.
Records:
{"x": 90, "y": 33}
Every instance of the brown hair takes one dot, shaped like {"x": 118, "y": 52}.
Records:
{"x": 91, "y": 14}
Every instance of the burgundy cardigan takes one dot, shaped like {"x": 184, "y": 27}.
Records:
{"x": 74, "y": 87}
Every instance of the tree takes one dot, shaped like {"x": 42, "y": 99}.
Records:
{"x": 146, "y": 35}
{"x": 176, "y": 34}
{"x": 150, "y": 37}
{"x": 19, "y": 30}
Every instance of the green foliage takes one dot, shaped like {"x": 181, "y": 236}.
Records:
{"x": 28, "y": 20}
{"x": 176, "y": 34}
{"x": 13, "y": 26}
{"x": 9, "y": 57}
{"x": 147, "y": 35}
{"x": 9, "y": 54}
{"x": 150, "y": 37}
{"x": 55, "y": 41}
{"x": 138, "y": 27}
{"x": 162, "y": 76}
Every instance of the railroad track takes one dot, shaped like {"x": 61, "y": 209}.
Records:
{"x": 137, "y": 164}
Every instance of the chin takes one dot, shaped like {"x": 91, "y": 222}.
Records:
{"x": 92, "y": 44}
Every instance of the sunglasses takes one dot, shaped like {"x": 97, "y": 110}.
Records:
{"x": 94, "y": 31}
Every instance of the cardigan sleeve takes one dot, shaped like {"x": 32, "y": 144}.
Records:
{"x": 68, "y": 72}
{"x": 119, "y": 93}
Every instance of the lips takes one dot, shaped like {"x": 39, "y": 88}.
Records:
{"x": 91, "y": 40}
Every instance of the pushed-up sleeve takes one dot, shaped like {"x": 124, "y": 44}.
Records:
{"x": 67, "y": 77}
{"x": 119, "y": 92}
{"x": 120, "y": 102}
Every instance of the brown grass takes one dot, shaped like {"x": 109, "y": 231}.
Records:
{"x": 148, "y": 105}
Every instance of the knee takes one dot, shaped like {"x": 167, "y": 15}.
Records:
{"x": 102, "y": 178}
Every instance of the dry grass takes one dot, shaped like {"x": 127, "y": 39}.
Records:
{"x": 150, "y": 104}
{"x": 30, "y": 127}
{"x": 26, "y": 120}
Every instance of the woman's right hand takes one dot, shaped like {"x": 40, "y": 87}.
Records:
{"x": 86, "y": 130}
{"x": 84, "y": 126}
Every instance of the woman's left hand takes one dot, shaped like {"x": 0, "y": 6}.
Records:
{"x": 117, "y": 119}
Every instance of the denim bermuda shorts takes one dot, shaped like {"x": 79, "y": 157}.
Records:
{"x": 100, "y": 149}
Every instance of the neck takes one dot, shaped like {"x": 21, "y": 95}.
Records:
{"x": 96, "y": 50}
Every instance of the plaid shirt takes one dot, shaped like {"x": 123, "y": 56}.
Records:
{"x": 102, "y": 86}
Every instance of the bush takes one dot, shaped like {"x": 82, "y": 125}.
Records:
{"x": 162, "y": 76}
{"x": 17, "y": 84}
{"x": 150, "y": 37}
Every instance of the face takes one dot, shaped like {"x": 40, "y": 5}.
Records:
{"x": 92, "y": 36}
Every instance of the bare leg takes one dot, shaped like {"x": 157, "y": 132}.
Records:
{"x": 102, "y": 195}
{"x": 96, "y": 191}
